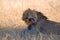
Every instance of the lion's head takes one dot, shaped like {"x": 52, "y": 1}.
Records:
{"x": 32, "y": 16}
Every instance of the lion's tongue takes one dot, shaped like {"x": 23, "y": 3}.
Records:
{"x": 33, "y": 21}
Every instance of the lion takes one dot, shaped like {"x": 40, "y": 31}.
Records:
{"x": 37, "y": 20}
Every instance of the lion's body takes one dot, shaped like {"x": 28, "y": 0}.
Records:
{"x": 41, "y": 22}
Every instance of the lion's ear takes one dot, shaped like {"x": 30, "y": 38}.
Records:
{"x": 25, "y": 14}
{"x": 23, "y": 17}
{"x": 41, "y": 16}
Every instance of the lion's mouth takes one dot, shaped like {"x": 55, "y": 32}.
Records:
{"x": 32, "y": 20}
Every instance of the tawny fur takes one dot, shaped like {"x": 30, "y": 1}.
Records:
{"x": 43, "y": 24}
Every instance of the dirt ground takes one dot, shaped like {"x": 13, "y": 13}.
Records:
{"x": 11, "y": 11}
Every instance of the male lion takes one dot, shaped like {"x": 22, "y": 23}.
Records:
{"x": 37, "y": 20}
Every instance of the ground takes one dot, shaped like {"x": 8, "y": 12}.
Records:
{"x": 17, "y": 34}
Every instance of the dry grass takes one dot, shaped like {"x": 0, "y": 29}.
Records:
{"x": 17, "y": 34}
{"x": 11, "y": 16}
{"x": 11, "y": 10}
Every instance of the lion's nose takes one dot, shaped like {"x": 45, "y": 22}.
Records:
{"x": 31, "y": 19}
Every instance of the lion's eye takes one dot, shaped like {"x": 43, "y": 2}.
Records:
{"x": 26, "y": 18}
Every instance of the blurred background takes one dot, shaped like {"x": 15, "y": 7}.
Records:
{"x": 11, "y": 11}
